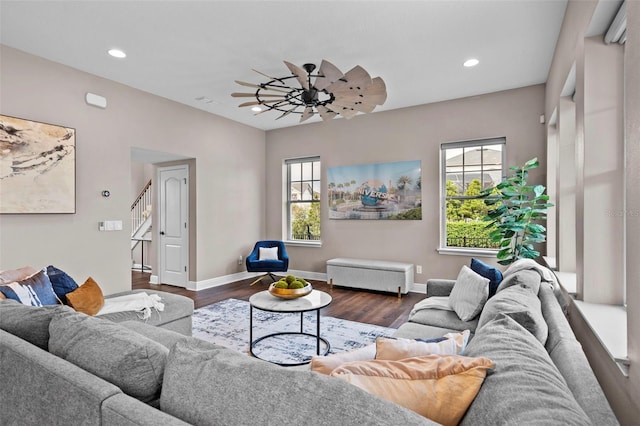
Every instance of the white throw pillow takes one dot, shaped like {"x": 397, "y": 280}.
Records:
{"x": 268, "y": 253}
{"x": 469, "y": 294}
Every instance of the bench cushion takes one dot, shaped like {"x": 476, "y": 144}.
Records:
{"x": 370, "y": 264}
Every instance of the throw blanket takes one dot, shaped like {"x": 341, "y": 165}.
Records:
{"x": 433, "y": 302}
{"x": 142, "y": 303}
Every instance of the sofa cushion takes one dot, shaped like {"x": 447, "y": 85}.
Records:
{"x": 35, "y": 290}
{"x": 439, "y": 387}
{"x": 30, "y": 323}
{"x": 87, "y": 298}
{"x": 517, "y": 299}
{"x": 525, "y": 383}
{"x": 176, "y": 307}
{"x": 494, "y": 275}
{"x": 62, "y": 283}
{"x": 414, "y": 330}
{"x": 442, "y": 319}
{"x": 236, "y": 389}
{"x": 469, "y": 294}
{"x": 526, "y": 277}
{"x": 127, "y": 359}
{"x": 393, "y": 349}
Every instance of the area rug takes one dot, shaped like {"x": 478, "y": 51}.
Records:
{"x": 227, "y": 323}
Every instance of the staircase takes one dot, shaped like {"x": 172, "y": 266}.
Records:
{"x": 141, "y": 218}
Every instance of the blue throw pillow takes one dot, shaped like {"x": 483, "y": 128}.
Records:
{"x": 492, "y": 274}
{"x": 35, "y": 290}
{"x": 61, "y": 282}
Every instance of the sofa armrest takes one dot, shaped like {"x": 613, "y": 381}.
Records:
{"x": 439, "y": 287}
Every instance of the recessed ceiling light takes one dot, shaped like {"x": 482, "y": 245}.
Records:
{"x": 117, "y": 53}
{"x": 256, "y": 109}
{"x": 471, "y": 62}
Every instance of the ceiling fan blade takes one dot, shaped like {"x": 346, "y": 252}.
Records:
{"x": 306, "y": 114}
{"x": 265, "y": 75}
{"x": 258, "y": 86}
{"x": 357, "y": 104}
{"x": 344, "y": 111}
{"x": 327, "y": 74}
{"x": 260, "y": 102}
{"x": 325, "y": 113}
{"x": 377, "y": 92}
{"x": 356, "y": 81}
{"x": 284, "y": 114}
{"x": 253, "y": 95}
{"x": 300, "y": 74}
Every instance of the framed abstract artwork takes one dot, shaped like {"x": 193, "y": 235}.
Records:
{"x": 376, "y": 191}
{"x": 37, "y": 167}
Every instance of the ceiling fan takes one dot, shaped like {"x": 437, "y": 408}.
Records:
{"x": 329, "y": 92}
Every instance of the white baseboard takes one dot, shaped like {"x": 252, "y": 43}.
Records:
{"x": 218, "y": 281}
{"x": 227, "y": 279}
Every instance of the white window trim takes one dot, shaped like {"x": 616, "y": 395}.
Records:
{"x": 286, "y": 220}
{"x": 463, "y": 251}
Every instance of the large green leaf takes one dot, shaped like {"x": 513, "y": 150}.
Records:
{"x": 531, "y": 164}
{"x": 535, "y": 228}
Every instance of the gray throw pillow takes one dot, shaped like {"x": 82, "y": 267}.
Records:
{"x": 522, "y": 305}
{"x": 118, "y": 355}
{"x": 208, "y": 385}
{"x": 469, "y": 294}
{"x": 525, "y": 386}
{"x": 30, "y": 323}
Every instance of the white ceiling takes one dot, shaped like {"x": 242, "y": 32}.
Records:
{"x": 182, "y": 50}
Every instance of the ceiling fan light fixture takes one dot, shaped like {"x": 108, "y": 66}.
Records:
{"x": 327, "y": 93}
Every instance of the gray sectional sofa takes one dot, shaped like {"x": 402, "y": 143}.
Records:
{"x": 541, "y": 376}
{"x": 62, "y": 367}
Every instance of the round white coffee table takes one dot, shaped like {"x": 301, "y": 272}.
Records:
{"x": 314, "y": 301}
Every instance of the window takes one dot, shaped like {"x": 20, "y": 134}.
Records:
{"x": 468, "y": 168}
{"x": 303, "y": 199}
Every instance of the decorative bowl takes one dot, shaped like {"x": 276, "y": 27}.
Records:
{"x": 290, "y": 293}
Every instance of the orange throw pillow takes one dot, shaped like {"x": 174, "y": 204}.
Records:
{"x": 87, "y": 298}
{"x": 438, "y": 387}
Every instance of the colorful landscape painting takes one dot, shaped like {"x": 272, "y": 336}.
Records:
{"x": 376, "y": 191}
{"x": 37, "y": 167}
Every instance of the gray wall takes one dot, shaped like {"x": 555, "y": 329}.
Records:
{"x": 622, "y": 391}
{"x": 230, "y": 173}
{"x": 406, "y": 134}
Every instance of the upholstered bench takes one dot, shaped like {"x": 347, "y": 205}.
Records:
{"x": 369, "y": 274}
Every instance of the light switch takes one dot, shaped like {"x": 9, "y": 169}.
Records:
{"x": 110, "y": 225}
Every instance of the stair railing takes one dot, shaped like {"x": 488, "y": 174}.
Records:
{"x": 141, "y": 208}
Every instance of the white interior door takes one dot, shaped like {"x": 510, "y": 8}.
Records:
{"x": 173, "y": 199}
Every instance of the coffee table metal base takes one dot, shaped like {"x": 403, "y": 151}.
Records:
{"x": 319, "y": 339}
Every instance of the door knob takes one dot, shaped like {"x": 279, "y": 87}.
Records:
{"x": 161, "y": 232}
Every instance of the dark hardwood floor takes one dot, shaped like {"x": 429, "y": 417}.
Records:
{"x": 355, "y": 305}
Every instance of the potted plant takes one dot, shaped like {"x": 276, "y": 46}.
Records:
{"x": 515, "y": 212}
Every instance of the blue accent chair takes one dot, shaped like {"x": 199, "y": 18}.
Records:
{"x": 254, "y": 264}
